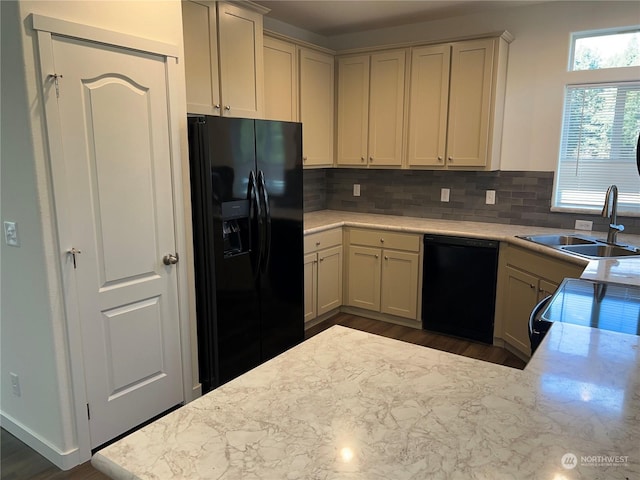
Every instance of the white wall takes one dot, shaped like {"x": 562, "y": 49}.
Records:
{"x": 537, "y": 70}
{"x": 33, "y": 330}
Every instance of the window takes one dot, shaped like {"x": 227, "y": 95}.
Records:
{"x": 605, "y": 50}
{"x": 600, "y": 128}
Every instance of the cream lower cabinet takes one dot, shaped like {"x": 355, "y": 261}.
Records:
{"x": 322, "y": 273}
{"x": 383, "y": 272}
{"x": 526, "y": 278}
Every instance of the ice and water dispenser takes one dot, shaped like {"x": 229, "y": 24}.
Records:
{"x": 235, "y": 227}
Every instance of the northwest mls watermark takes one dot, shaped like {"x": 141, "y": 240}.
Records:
{"x": 570, "y": 461}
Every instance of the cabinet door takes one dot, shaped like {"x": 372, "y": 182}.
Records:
{"x": 310, "y": 287}
{"x": 469, "y": 103}
{"x": 521, "y": 296}
{"x": 316, "y": 107}
{"x": 546, "y": 288}
{"x": 400, "y": 284}
{"x": 428, "y": 105}
{"x": 353, "y": 110}
{"x": 329, "y": 279}
{"x": 201, "y": 57}
{"x": 386, "y": 108}
{"x": 241, "y": 62}
{"x": 280, "y": 80}
{"x": 364, "y": 278}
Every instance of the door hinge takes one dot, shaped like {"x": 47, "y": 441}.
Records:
{"x": 88, "y": 412}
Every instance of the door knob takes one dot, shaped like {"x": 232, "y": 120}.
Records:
{"x": 170, "y": 259}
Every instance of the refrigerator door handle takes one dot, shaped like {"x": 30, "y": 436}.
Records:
{"x": 256, "y": 213}
{"x": 262, "y": 189}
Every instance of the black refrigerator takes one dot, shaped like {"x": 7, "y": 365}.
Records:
{"x": 246, "y": 192}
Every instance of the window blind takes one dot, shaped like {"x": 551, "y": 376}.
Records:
{"x": 598, "y": 147}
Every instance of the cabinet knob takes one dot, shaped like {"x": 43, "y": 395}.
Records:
{"x": 317, "y": 244}
{"x": 439, "y": 159}
{"x": 322, "y": 259}
{"x": 532, "y": 286}
{"x": 217, "y": 106}
{"x": 377, "y": 256}
{"x": 304, "y": 159}
{"x": 382, "y": 240}
{"x": 451, "y": 159}
{"x": 386, "y": 257}
{"x": 227, "y": 107}
{"x": 362, "y": 159}
{"x": 371, "y": 159}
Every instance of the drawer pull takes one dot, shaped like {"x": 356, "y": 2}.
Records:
{"x": 386, "y": 257}
{"x": 317, "y": 244}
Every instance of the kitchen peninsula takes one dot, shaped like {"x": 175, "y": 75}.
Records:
{"x": 347, "y": 404}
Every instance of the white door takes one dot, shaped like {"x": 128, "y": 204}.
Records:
{"x": 113, "y": 111}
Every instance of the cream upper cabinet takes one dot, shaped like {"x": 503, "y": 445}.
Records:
{"x": 456, "y": 104}
{"x": 280, "y": 80}
{"x": 316, "y": 103}
{"x": 371, "y": 102}
{"x": 353, "y": 110}
{"x": 429, "y": 105}
{"x": 200, "y": 26}
{"x": 469, "y": 103}
{"x": 224, "y": 43}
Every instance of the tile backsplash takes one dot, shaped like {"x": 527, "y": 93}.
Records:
{"x": 522, "y": 198}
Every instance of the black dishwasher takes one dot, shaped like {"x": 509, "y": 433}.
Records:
{"x": 459, "y": 286}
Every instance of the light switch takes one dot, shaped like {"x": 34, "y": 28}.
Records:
{"x": 11, "y": 234}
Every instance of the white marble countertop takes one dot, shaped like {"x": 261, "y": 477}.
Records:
{"x": 616, "y": 270}
{"x": 351, "y": 405}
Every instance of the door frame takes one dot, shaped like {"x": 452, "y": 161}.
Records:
{"x": 45, "y": 28}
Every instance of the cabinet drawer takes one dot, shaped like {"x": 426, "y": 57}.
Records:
{"x": 385, "y": 239}
{"x": 320, "y": 240}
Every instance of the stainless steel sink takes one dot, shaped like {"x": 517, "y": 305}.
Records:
{"x": 601, "y": 250}
{"x": 583, "y": 245}
{"x": 555, "y": 240}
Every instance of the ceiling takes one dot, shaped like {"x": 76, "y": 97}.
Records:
{"x": 335, "y": 17}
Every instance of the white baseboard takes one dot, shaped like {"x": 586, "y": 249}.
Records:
{"x": 62, "y": 460}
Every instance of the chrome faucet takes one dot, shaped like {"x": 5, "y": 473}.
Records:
{"x": 614, "y": 228}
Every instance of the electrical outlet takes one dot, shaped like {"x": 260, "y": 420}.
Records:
{"x": 356, "y": 189}
{"x": 444, "y": 194}
{"x": 584, "y": 225}
{"x": 490, "y": 197}
{"x": 11, "y": 234}
{"x": 15, "y": 384}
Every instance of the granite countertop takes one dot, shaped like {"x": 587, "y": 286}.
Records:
{"x": 617, "y": 270}
{"x": 348, "y": 404}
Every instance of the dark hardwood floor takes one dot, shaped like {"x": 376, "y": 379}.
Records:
{"x": 437, "y": 341}
{"x": 19, "y": 462}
